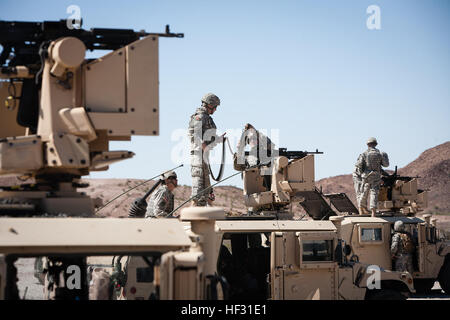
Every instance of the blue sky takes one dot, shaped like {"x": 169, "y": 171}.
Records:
{"x": 310, "y": 69}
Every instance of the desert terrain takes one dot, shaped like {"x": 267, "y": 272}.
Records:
{"x": 432, "y": 166}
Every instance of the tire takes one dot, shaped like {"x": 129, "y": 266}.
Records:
{"x": 385, "y": 294}
{"x": 423, "y": 285}
{"x": 444, "y": 276}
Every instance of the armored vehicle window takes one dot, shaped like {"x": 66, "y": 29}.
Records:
{"x": 371, "y": 234}
{"x": 317, "y": 250}
{"x": 144, "y": 274}
{"x": 244, "y": 261}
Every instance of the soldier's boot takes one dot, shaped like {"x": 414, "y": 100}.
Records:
{"x": 373, "y": 212}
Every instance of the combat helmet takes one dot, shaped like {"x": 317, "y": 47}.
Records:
{"x": 372, "y": 140}
{"x": 170, "y": 174}
{"x": 212, "y": 99}
{"x": 399, "y": 226}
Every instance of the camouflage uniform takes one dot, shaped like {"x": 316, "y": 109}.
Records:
{"x": 161, "y": 203}
{"x": 262, "y": 150}
{"x": 357, "y": 179}
{"x": 402, "y": 248}
{"x": 369, "y": 163}
{"x": 202, "y": 129}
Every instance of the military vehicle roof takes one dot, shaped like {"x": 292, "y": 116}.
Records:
{"x": 90, "y": 235}
{"x": 273, "y": 225}
{"x": 390, "y": 219}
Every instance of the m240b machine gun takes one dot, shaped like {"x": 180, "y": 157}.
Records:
{"x": 400, "y": 194}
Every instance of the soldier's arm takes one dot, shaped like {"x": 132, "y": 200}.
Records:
{"x": 360, "y": 164}
{"x": 195, "y": 132}
{"x": 384, "y": 159}
{"x": 395, "y": 244}
{"x": 210, "y": 138}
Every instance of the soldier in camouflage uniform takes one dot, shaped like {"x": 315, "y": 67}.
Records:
{"x": 262, "y": 149}
{"x": 369, "y": 163}
{"x": 202, "y": 134}
{"x": 161, "y": 202}
{"x": 402, "y": 248}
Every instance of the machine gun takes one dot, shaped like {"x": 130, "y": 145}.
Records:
{"x": 296, "y": 154}
{"x": 283, "y": 152}
{"x": 390, "y": 179}
{"x": 399, "y": 194}
{"x": 24, "y": 40}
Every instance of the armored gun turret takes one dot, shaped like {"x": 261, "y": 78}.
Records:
{"x": 63, "y": 109}
{"x": 400, "y": 195}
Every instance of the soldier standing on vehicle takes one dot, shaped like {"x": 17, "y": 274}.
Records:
{"x": 369, "y": 163}
{"x": 161, "y": 202}
{"x": 402, "y": 248}
{"x": 202, "y": 133}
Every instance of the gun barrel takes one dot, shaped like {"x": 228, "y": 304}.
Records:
{"x": 296, "y": 154}
{"x": 26, "y": 38}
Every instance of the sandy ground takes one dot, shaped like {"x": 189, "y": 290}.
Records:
{"x": 31, "y": 289}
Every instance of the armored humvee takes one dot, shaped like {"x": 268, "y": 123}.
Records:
{"x": 369, "y": 239}
{"x": 261, "y": 259}
{"x": 271, "y": 188}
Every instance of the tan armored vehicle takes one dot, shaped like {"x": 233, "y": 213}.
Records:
{"x": 267, "y": 259}
{"x": 370, "y": 238}
{"x": 367, "y": 239}
{"x": 78, "y": 238}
